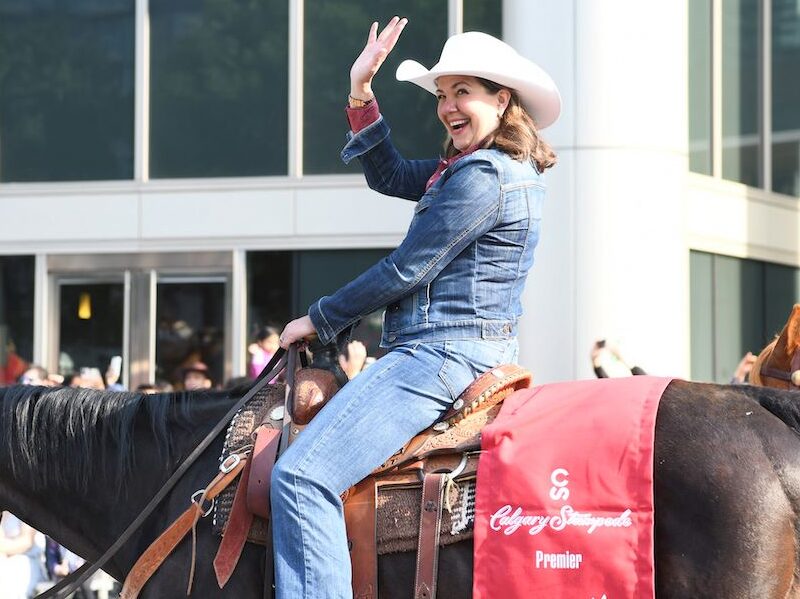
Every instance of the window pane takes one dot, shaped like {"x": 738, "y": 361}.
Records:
{"x": 786, "y": 96}
{"x": 736, "y": 306}
{"x": 781, "y": 292}
{"x": 191, "y": 328}
{"x": 269, "y": 290}
{"x": 700, "y": 86}
{"x": 741, "y": 146}
{"x": 702, "y": 316}
{"x": 219, "y": 85}
{"x": 16, "y": 316}
{"x": 484, "y": 15}
{"x": 738, "y": 312}
{"x": 322, "y": 272}
{"x": 282, "y": 285}
{"x": 90, "y": 326}
{"x": 335, "y": 32}
{"x": 66, "y": 90}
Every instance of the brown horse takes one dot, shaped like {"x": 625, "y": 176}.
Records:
{"x": 778, "y": 365}
{"x": 79, "y": 465}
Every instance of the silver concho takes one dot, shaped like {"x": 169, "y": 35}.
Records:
{"x": 440, "y": 427}
{"x": 458, "y": 404}
{"x": 276, "y": 413}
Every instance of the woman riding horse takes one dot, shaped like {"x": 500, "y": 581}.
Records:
{"x": 79, "y": 465}
{"x": 451, "y": 289}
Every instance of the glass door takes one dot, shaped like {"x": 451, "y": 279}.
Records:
{"x": 91, "y": 329}
{"x": 161, "y": 312}
{"x": 190, "y": 317}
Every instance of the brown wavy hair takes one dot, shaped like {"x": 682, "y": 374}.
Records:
{"x": 517, "y": 135}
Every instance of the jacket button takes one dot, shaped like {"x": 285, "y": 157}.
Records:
{"x": 392, "y": 337}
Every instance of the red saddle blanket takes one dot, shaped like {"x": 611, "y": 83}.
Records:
{"x": 564, "y": 505}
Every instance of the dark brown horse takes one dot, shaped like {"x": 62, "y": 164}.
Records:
{"x": 79, "y": 465}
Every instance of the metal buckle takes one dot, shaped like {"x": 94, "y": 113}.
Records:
{"x": 195, "y": 500}
{"x": 230, "y": 463}
{"x": 450, "y": 475}
{"x": 460, "y": 468}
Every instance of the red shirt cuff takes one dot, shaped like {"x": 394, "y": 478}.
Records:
{"x": 362, "y": 117}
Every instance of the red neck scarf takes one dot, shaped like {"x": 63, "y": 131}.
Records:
{"x": 445, "y": 163}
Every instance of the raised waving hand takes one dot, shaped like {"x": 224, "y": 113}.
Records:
{"x": 372, "y": 56}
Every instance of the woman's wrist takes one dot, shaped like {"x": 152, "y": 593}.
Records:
{"x": 358, "y": 103}
{"x": 361, "y": 92}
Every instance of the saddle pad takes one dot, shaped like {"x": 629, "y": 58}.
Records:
{"x": 239, "y": 434}
{"x": 397, "y": 516}
{"x": 565, "y": 492}
{"x": 397, "y": 508}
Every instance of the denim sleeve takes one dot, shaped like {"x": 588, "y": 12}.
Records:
{"x": 465, "y": 207}
{"x": 387, "y": 172}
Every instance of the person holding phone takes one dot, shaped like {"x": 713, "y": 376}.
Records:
{"x": 451, "y": 289}
{"x": 113, "y": 373}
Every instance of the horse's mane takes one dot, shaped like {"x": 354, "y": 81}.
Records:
{"x": 56, "y": 436}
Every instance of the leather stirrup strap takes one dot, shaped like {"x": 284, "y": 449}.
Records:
{"x": 265, "y": 453}
{"x": 430, "y": 525}
{"x": 359, "y": 517}
{"x": 252, "y": 498}
{"x": 165, "y": 544}
{"x": 68, "y": 585}
{"x": 235, "y": 536}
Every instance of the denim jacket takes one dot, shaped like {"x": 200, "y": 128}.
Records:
{"x": 460, "y": 271}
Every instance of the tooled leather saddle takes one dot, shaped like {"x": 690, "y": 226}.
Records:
{"x": 439, "y": 456}
{"x": 431, "y": 463}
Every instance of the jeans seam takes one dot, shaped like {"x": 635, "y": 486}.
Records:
{"x": 306, "y": 577}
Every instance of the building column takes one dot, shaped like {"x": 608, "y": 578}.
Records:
{"x": 613, "y": 260}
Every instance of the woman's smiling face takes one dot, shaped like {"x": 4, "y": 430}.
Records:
{"x": 467, "y": 109}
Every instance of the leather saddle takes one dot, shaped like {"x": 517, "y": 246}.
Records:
{"x": 445, "y": 452}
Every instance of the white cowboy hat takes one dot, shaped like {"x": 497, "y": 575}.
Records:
{"x": 481, "y": 55}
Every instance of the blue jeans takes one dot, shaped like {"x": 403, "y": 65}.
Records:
{"x": 372, "y": 417}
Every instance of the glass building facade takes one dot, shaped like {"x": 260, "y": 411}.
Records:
{"x": 744, "y": 56}
{"x": 66, "y": 90}
{"x": 181, "y": 105}
{"x": 738, "y": 306}
{"x": 752, "y": 48}
{"x": 127, "y": 94}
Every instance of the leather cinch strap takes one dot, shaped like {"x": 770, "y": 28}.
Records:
{"x": 71, "y": 583}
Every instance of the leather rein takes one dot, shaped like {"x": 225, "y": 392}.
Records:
{"x": 72, "y": 582}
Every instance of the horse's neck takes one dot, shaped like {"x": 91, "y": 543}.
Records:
{"x": 88, "y": 519}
